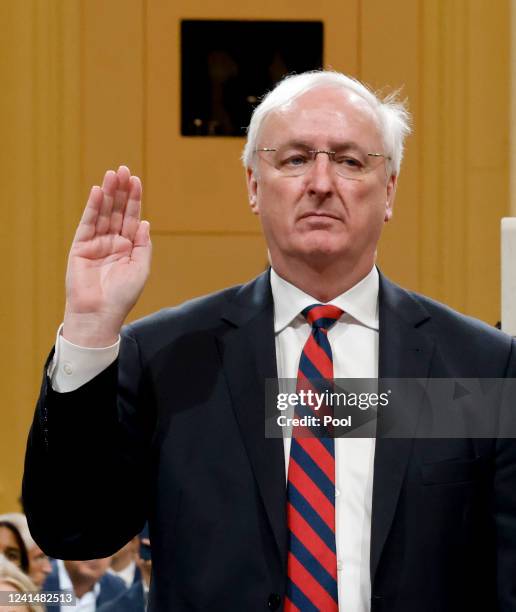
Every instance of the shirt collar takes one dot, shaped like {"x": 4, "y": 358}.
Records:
{"x": 126, "y": 574}
{"x": 360, "y": 302}
{"x": 65, "y": 582}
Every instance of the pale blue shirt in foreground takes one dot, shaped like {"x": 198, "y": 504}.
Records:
{"x": 354, "y": 343}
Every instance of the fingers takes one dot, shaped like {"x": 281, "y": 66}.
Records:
{"x": 120, "y": 200}
{"x": 109, "y": 187}
{"x": 132, "y": 211}
{"x": 86, "y": 228}
{"x": 115, "y": 207}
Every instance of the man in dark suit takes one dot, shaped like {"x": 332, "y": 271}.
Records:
{"x": 421, "y": 525}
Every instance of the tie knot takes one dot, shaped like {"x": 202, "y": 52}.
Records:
{"x": 322, "y": 316}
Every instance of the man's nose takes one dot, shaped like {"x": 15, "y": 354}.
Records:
{"x": 321, "y": 176}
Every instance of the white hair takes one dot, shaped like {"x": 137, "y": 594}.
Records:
{"x": 19, "y": 520}
{"x": 392, "y": 115}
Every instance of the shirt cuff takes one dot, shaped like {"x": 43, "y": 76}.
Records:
{"x": 74, "y": 366}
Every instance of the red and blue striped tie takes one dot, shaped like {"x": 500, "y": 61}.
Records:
{"x": 312, "y": 560}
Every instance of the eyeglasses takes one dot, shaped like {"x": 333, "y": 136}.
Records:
{"x": 295, "y": 161}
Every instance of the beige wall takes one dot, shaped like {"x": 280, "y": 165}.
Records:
{"x": 87, "y": 85}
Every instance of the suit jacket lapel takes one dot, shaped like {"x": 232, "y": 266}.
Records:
{"x": 249, "y": 358}
{"x": 405, "y": 351}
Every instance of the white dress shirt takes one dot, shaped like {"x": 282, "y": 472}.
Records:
{"x": 354, "y": 343}
{"x": 127, "y": 574}
{"x": 74, "y": 366}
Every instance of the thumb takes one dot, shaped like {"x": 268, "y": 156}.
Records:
{"x": 142, "y": 246}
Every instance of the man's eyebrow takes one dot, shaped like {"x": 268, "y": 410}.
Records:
{"x": 334, "y": 146}
{"x": 346, "y": 146}
{"x": 302, "y": 144}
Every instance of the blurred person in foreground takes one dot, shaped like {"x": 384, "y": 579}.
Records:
{"x": 243, "y": 522}
{"x": 88, "y": 580}
{"x": 12, "y": 546}
{"x": 135, "y": 598}
{"x": 39, "y": 564}
{"x": 13, "y": 579}
{"x": 124, "y": 564}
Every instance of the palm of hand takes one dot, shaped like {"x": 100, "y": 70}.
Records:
{"x": 109, "y": 260}
{"x": 103, "y": 273}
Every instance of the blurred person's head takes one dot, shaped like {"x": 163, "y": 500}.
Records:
{"x": 12, "y": 546}
{"x": 13, "y": 579}
{"x": 121, "y": 559}
{"x": 19, "y": 520}
{"x": 84, "y": 574}
{"x": 39, "y": 565}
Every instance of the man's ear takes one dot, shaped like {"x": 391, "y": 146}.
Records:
{"x": 252, "y": 190}
{"x": 392, "y": 183}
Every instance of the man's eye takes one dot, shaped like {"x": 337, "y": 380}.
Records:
{"x": 349, "y": 162}
{"x": 294, "y": 160}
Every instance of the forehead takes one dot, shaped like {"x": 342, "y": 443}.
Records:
{"x": 323, "y": 116}
{"x": 7, "y": 537}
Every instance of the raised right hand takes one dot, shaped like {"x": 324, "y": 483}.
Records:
{"x": 109, "y": 261}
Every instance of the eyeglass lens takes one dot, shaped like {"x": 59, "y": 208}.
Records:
{"x": 295, "y": 161}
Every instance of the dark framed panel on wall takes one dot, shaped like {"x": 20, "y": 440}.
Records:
{"x": 227, "y": 66}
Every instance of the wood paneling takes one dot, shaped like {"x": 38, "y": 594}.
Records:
{"x": 90, "y": 84}
{"x": 180, "y": 263}
{"x": 390, "y": 61}
{"x": 464, "y": 149}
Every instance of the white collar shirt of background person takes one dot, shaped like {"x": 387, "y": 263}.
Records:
{"x": 126, "y": 574}
{"x": 86, "y": 603}
{"x": 354, "y": 344}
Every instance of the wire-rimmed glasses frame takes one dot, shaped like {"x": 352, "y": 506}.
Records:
{"x": 345, "y": 164}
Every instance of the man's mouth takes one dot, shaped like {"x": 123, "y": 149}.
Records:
{"x": 322, "y": 215}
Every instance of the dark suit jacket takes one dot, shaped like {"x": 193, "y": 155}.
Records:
{"x": 181, "y": 414}
{"x": 111, "y": 587}
{"x": 133, "y": 600}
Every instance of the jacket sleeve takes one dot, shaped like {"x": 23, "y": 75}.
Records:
{"x": 86, "y": 478}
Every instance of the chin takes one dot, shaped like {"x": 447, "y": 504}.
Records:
{"x": 323, "y": 244}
